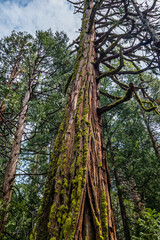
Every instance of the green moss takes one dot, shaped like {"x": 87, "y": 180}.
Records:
{"x": 62, "y": 192}
{"x": 100, "y": 165}
{"x": 52, "y": 211}
{"x": 104, "y": 215}
{"x": 97, "y": 222}
{"x": 78, "y": 161}
{"x": 67, "y": 224}
{"x": 59, "y": 182}
{"x": 59, "y": 220}
{"x": 152, "y": 108}
{"x": 33, "y": 236}
{"x": 78, "y": 136}
{"x": 40, "y": 210}
{"x": 64, "y": 215}
{"x": 65, "y": 182}
{"x": 74, "y": 202}
{"x": 52, "y": 214}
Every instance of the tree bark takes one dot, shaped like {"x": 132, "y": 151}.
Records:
{"x": 15, "y": 151}
{"x": 76, "y": 203}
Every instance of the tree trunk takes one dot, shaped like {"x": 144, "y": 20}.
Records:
{"x": 120, "y": 196}
{"x": 76, "y": 203}
{"x": 15, "y": 151}
{"x": 153, "y": 139}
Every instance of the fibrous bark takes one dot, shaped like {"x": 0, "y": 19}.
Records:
{"x": 76, "y": 202}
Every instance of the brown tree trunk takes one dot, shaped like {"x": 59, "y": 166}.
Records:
{"x": 153, "y": 139}
{"x": 15, "y": 151}
{"x": 135, "y": 196}
{"x": 120, "y": 196}
{"x": 76, "y": 202}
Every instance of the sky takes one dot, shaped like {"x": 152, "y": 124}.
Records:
{"x": 32, "y": 15}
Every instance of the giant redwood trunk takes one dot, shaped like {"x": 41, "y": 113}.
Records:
{"x": 76, "y": 203}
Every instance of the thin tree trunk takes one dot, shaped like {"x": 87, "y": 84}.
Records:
{"x": 153, "y": 139}
{"x": 135, "y": 196}
{"x": 76, "y": 203}
{"x": 15, "y": 151}
{"x": 120, "y": 196}
{"x": 139, "y": 206}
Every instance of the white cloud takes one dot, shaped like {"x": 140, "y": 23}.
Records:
{"x": 38, "y": 15}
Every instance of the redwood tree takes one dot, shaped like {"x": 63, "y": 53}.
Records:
{"x": 76, "y": 203}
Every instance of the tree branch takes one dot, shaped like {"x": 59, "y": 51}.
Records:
{"x": 125, "y": 98}
{"x": 30, "y": 174}
{"x": 109, "y": 95}
{"x": 152, "y": 108}
{"x": 114, "y": 71}
{"x": 91, "y": 20}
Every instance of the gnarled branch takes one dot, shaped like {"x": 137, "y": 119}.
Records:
{"x": 125, "y": 98}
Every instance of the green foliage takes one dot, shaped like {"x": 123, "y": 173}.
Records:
{"x": 148, "y": 225}
{"x": 135, "y": 159}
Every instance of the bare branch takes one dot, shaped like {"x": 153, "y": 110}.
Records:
{"x": 109, "y": 95}
{"x": 114, "y": 71}
{"x": 30, "y": 174}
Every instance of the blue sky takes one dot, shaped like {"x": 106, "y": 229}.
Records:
{"x": 32, "y": 15}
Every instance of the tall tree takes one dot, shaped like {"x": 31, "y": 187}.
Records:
{"x": 12, "y": 49}
{"x": 120, "y": 195}
{"x": 15, "y": 151}
{"x": 153, "y": 138}
{"x": 76, "y": 203}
